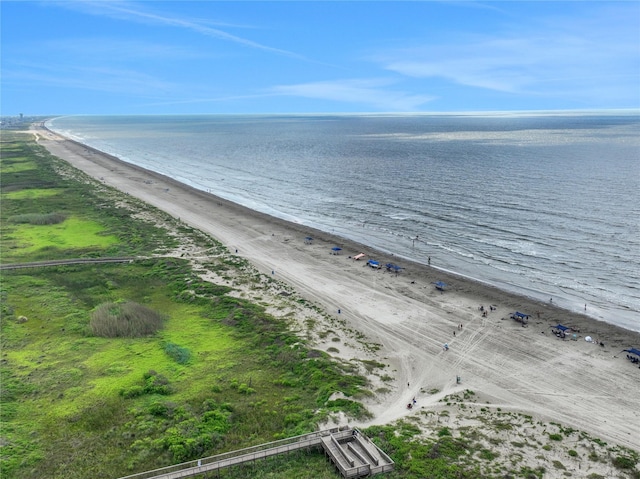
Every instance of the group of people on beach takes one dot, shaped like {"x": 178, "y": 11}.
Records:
{"x": 633, "y": 359}
{"x": 484, "y": 311}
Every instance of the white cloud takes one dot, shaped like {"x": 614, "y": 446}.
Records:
{"x": 366, "y": 92}
{"x": 598, "y": 51}
{"x": 128, "y": 11}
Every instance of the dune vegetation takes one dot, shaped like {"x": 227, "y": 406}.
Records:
{"x": 109, "y": 369}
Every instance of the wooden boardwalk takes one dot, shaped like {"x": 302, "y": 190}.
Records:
{"x": 353, "y": 454}
{"x": 63, "y": 262}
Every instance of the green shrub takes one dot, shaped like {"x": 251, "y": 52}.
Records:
{"x": 245, "y": 389}
{"x": 624, "y": 462}
{"x": 124, "y": 320}
{"x": 352, "y": 408}
{"x": 555, "y": 437}
{"x": 158, "y": 409}
{"x": 488, "y": 455}
{"x": 559, "y": 465}
{"x": 179, "y": 354}
{"x": 132, "y": 392}
{"x": 155, "y": 383}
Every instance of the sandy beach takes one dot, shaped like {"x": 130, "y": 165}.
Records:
{"x": 576, "y": 383}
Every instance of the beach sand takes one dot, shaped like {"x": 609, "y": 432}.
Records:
{"x": 523, "y": 369}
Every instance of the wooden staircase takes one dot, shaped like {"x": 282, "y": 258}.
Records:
{"x": 353, "y": 454}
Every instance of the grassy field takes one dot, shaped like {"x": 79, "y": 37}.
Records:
{"x": 219, "y": 373}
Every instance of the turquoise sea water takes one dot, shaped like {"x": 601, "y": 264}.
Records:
{"x": 545, "y": 205}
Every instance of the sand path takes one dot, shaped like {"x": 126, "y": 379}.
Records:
{"x": 575, "y": 383}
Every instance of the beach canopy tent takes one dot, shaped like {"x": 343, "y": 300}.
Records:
{"x": 633, "y": 351}
{"x": 440, "y": 285}
{"x": 374, "y": 264}
{"x": 561, "y": 327}
{"x": 358, "y": 256}
{"x": 336, "y": 249}
{"x": 520, "y": 317}
{"x": 393, "y": 267}
{"x": 308, "y": 240}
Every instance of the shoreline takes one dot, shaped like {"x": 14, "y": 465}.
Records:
{"x": 350, "y": 244}
{"x": 571, "y": 293}
{"x": 587, "y": 386}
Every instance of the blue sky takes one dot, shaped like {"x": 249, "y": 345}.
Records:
{"x": 164, "y": 57}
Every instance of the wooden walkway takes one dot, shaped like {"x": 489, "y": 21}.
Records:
{"x": 63, "y": 262}
{"x": 353, "y": 454}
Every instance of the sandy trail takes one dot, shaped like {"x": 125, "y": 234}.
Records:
{"x": 575, "y": 383}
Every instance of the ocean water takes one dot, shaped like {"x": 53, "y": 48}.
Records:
{"x": 545, "y": 205}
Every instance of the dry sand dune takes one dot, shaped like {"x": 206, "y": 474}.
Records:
{"x": 579, "y": 384}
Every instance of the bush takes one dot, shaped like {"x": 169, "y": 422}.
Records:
{"x": 39, "y": 218}
{"x": 155, "y": 383}
{"x": 179, "y": 354}
{"x": 124, "y": 320}
{"x": 624, "y": 462}
{"x": 132, "y": 392}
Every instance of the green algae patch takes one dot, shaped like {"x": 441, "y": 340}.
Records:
{"x": 73, "y": 233}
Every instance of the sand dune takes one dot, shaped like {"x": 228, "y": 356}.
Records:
{"x": 528, "y": 369}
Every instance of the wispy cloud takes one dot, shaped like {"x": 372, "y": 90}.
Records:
{"x": 96, "y": 49}
{"x": 131, "y": 12}
{"x": 369, "y": 93}
{"x": 102, "y": 79}
{"x": 544, "y": 57}
{"x": 372, "y": 93}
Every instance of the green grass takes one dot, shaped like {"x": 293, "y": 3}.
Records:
{"x": 72, "y": 234}
{"x": 18, "y": 165}
{"x": 32, "y": 194}
{"x": 213, "y": 378}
